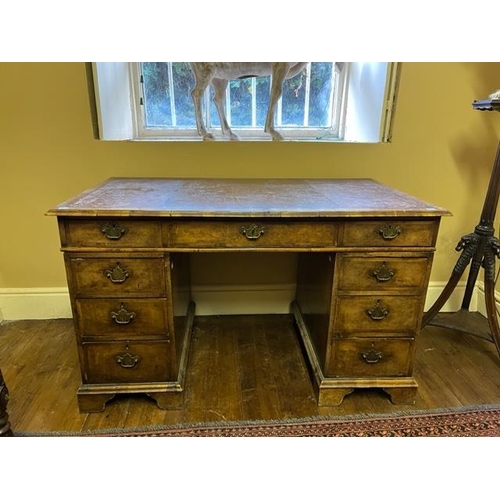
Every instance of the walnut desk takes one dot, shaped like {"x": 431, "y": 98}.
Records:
{"x": 364, "y": 259}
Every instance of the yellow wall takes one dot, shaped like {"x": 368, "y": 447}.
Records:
{"x": 442, "y": 151}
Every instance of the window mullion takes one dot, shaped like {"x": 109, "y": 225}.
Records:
{"x": 334, "y": 114}
{"x": 279, "y": 110}
{"x": 206, "y": 105}
{"x": 308, "y": 95}
{"x": 173, "y": 112}
{"x": 228, "y": 104}
{"x": 254, "y": 102}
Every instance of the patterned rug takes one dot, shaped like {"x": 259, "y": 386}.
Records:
{"x": 469, "y": 421}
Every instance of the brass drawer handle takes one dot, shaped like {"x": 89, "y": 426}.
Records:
{"x": 383, "y": 273}
{"x": 127, "y": 360}
{"x": 372, "y": 356}
{"x": 389, "y": 232}
{"x": 113, "y": 231}
{"x": 378, "y": 312}
{"x": 117, "y": 274}
{"x": 122, "y": 316}
{"x": 253, "y": 231}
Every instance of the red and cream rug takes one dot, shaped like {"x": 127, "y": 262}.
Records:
{"x": 472, "y": 421}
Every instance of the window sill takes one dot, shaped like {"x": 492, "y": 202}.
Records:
{"x": 243, "y": 140}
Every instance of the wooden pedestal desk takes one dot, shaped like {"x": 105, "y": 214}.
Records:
{"x": 364, "y": 258}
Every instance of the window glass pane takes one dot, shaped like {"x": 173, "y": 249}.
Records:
{"x": 183, "y": 83}
{"x": 263, "y": 90}
{"x": 241, "y": 102}
{"x": 320, "y": 96}
{"x": 214, "y": 114}
{"x": 156, "y": 94}
{"x": 294, "y": 93}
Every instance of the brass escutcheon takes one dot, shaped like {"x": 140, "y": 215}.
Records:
{"x": 253, "y": 231}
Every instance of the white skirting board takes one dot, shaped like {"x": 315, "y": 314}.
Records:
{"x": 34, "y": 303}
{"x": 50, "y": 303}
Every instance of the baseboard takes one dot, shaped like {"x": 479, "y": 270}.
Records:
{"x": 481, "y": 303}
{"x": 49, "y": 303}
{"x": 34, "y": 303}
{"x": 238, "y": 299}
{"x": 455, "y": 301}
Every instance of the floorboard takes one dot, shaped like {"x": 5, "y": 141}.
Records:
{"x": 240, "y": 368}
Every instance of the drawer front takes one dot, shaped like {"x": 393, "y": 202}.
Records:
{"x": 250, "y": 234}
{"x": 109, "y": 233}
{"x": 371, "y": 358}
{"x": 122, "y": 319}
{"x": 126, "y": 362}
{"x": 364, "y": 316}
{"x": 390, "y": 233}
{"x": 382, "y": 273}
{"x": 117, "y": 277}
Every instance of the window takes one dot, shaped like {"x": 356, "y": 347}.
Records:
{"x": 324, "y": 101}
{"x": 310, "y": 106}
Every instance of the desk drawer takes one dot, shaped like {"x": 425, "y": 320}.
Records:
{"x": 365, "y": 273}
{"x": 371, "y": 358}
{"x": 122, "y": 319}
{"x": 364, "y": 316}
{"x": 390, "y": 233}
{"x": 116, "y": 277}
{"x": 250, "y": 234}
{"x": 112, "y": 233}
{"x": 126, "y": 362}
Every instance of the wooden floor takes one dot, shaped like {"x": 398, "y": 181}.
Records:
{"x": 240, "y": 368}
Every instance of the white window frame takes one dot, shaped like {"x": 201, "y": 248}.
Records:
{"x": 253, "y": 132}
{"x": 369, "y": 95}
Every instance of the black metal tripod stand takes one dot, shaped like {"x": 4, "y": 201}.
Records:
{"x": 479, "y": 249}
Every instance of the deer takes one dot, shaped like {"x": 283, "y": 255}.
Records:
{"x": 218, "y": 75}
